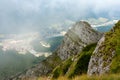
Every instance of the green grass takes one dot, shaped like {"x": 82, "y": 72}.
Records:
{"x": 110, "y": 45}
{"x": 75, "y": 65}
{"x": 80, "y": 64}
{"x": 62, "y": 69}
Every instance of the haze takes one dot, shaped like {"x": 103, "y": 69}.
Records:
{"x": 18, "y": 16}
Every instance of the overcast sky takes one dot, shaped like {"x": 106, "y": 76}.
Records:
{"x": 33, "y": 14}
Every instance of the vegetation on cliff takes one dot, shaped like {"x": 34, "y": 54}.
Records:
{"x": 113, "y": 42}
{"x": 75, "y": 65}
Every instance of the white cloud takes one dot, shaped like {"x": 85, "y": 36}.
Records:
{"x": 105, "y": 23}
{"x": 29, "y": 14}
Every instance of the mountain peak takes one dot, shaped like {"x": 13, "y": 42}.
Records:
{"x": 83, "y": 23}
{"x": 79, "y": 36}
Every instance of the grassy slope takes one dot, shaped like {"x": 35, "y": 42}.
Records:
{"x": 115, "y": 66}
{"x": 112, "y": 44}
{"x": 75, "y": 65}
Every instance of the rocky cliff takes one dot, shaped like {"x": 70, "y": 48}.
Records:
{"x": 106, "y": 56}
{"x": 75, "y": 65}
{"x": 78, "y": 37}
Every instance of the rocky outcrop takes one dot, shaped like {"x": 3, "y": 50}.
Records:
{"x": 96, "y": 61}
{"x": 105, "y": 58}
{"x": 79, "y": 36}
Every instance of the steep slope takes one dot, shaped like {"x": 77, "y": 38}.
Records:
{"x": 79, "y": 36}
{"x": 106, "y": 56}
{"x": 75, "y": 65}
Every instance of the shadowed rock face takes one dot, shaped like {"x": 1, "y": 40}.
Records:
{"x": 106, "y": 56}
{"x": 79, "y": 36}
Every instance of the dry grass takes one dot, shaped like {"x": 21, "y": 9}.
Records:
{"x": 103, "y": 77}
{"x": 85, "y": 77}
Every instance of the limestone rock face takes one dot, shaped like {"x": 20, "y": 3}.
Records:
{"x": 79, "y": 36}
{"x": 106, "y": 56}
{"x": 97, "y": 61}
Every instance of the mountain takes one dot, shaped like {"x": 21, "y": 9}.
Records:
{"x": 78, "y": 37}
{"x": 104, "y": 28}
{"x": 95, "y": 59}
{"x": 106, "y": 58}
